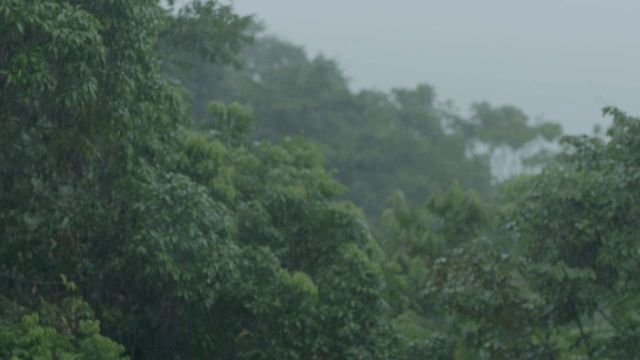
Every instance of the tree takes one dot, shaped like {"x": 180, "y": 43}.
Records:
{"x": 85, "y": 114}
{"x": 562, "y": 287}
{"x": 306, "y": 286}
{"x": 66, "y": 331}
{"x": 377, "y": 142}
{"x": 197, "y": 33}
{"x": 514, "y": 144}
{"x": 183, "y": 243}
{"x": 578, "y": 225}
{"x": 435, "y": 256}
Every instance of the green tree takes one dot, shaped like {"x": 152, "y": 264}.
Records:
{"x": 507, "y": 125}
{"x": 198, "y": 244}
{"x": 88, "y": 127}
{"x": 428, "y": 253}
{"x": 197, "y": 33}
{"x": 304, "y": 272}
{"x": 377, "y": 142}
{"x": 557, "y": 281}
{"x": 67, "y": 331}
{"x": 577, "y": 225}
{"x": 515, "y": 145}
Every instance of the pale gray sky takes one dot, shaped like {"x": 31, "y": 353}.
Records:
{"x": 560, "y": 59}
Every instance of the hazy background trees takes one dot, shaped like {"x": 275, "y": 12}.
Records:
{"x": 377, "y": 142}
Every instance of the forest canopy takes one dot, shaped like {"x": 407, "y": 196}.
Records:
{"x": 175, "y": 184}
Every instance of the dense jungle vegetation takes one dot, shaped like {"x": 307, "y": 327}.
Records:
{"x": 177, "y": 185}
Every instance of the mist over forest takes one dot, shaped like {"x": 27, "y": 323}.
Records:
{"x": 557, "y": 60}
{"x": 177, "y": 182}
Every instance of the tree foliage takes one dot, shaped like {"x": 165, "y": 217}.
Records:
{"x": 184, "y": 243}
{"x": 377, "y": 142}
{"x": 553, "y": 281}
{"x": 126, "y": 229}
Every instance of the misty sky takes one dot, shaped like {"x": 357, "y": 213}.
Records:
{"x": 562, "y": 60}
